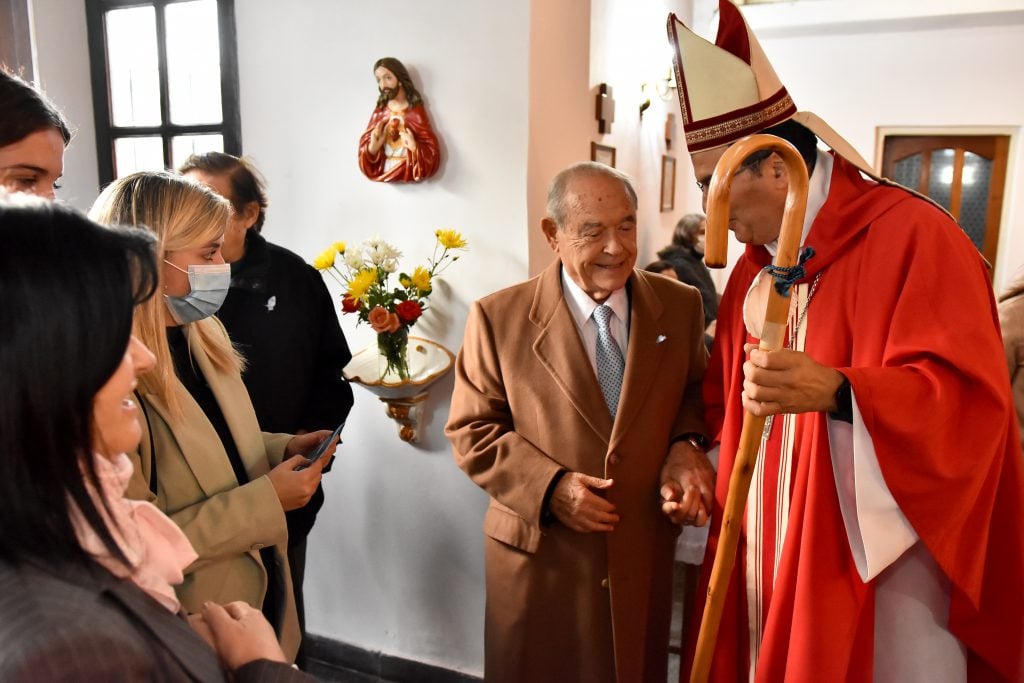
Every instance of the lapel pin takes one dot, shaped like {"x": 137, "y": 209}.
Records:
{"x": 660, "y": 339}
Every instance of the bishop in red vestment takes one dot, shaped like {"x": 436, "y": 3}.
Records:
{"x": 883, "y": 536}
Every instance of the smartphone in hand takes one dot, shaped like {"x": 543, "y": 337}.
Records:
{"x": 321, "y": 448}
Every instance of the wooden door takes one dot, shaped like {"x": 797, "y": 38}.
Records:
{"x": 964, "y": 173}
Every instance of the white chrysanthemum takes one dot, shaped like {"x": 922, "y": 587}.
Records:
{"x": 390, "y": 265}
{"x": 354, "y": 258}
{"x": 379, "y": 252}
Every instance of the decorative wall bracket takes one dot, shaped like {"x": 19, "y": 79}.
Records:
{"x": 428, "y": 362}
{"x": 604, "y": 108}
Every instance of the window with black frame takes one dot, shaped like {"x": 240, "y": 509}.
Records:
{"x": 165, "y": 82}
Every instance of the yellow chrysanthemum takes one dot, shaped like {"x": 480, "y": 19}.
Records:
{"x": 326, "y": 259}
{"x": 421, "y": 279}
{"x": 450, "y": 239}
{"x": 360, "y": 284}
{"x": 339, "y": 247}
{"x": 404, "y": 280}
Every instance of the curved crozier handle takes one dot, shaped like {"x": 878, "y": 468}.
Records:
{"x": 772, "y": 337}
{"x": 716, "y": 238}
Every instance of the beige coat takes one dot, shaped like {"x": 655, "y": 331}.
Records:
{"x": 565, "y": 606}
{"x": 227, "y": 524}
{"x": 1011, "y": 319}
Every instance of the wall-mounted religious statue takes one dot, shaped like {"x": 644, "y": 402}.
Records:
{"x": 398, "y": 146}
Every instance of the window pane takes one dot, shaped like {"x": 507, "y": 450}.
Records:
{"x": 908, "y": 171}
{"x": 132, "y": 62}
{"x": 138, "y": 154}
{"x": 974, "y": 207}
{"x": 183, "y": 145}
{"x": 193, "y": 62}
{"x": 940, "y": 181}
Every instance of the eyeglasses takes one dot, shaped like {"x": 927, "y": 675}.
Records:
{"x": 749, "y": 164}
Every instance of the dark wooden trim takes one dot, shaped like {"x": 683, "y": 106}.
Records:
{"x": 100, "y": 77}
{"x": 334, "y": 660}
{"x": 230, "y": 126}
{"x": 169, "y": 130}
{"x": 230, "y": 98}
{"x": 997, "y": 188}
{"x": 162, "y": 78}
{"x": 992, "y": 147}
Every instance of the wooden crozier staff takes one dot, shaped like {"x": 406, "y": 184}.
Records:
{"x": 771, "y": 339}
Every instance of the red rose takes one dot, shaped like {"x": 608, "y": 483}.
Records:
{"x": 349, "y": 305}
{"x": 409, "y": 311}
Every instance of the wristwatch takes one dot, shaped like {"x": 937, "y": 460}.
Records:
{"x": 844, "y": 403}
{"x": 696, "y": 439}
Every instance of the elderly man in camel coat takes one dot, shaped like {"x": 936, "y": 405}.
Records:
{"x": 583, "y": 462}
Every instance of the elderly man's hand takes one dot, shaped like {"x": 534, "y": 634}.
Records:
{"x": 787, "y": 381}
{"x": 687, "y": 485}
{"x": 577, "y": 507}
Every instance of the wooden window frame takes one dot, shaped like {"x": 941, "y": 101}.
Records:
{"x": 230, "y": 126}
{"x": 995, "y": 240}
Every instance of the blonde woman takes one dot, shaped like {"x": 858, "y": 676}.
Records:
{"x": 203, "y": 459}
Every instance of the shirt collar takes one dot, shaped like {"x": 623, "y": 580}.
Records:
{"x": 582, "y": 306}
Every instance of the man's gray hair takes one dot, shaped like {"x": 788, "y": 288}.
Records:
{"x": 557, "y": 209}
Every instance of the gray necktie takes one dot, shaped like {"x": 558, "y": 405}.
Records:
{"x": 610, "y": 365}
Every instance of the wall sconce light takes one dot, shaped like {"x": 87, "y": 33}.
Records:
{"x": 428, "y": 362}
{"x": 664, "y": 87}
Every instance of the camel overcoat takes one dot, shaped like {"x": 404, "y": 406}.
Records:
{"x": 561, "y": 605}
{"x": 227, "y": 524}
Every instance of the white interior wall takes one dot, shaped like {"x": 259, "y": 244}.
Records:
{"x": 62, "y": 57}
{"x": 629, "y": 48}
{"x": 396, "y": 558}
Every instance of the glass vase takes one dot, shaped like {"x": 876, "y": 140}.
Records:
{"x": 394, "y": 357}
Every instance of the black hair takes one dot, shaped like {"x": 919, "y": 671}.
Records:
{"x": 247, "y": 184}
{"x": 796, "y": 134}
{"x": 659, "y": 266}
{"x": 68, "y": 288}
{"x": 685, "y": 232}
{"x": 24, "y": 110}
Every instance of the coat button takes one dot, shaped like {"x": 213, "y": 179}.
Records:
{"x": 604, "y": 583}
{"x": 613, "y": 459}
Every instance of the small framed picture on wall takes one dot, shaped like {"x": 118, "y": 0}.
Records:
{"x": 668, "y": 183}
{"x": 602, "y": 154}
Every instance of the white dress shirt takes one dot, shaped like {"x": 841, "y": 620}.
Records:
{"x": 581, "y": 306}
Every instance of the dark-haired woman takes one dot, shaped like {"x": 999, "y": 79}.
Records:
{"x": 86, "y": 576}
{"x": 33, "y": 135}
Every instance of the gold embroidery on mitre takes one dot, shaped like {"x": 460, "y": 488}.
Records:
{"x": 753, "y": 120}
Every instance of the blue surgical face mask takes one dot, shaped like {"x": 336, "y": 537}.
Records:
{"x": 208, "y": 288}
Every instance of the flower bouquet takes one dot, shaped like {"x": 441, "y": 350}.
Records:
{"x": 365, "y": 273}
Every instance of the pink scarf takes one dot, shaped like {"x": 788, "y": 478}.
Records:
{"x": 154, "y": 545}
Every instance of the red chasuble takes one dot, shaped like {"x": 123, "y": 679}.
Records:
{"x": 904, "y": 309}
